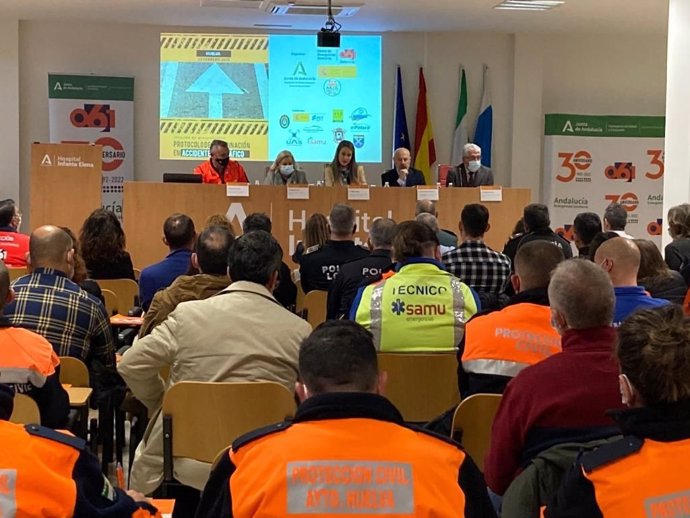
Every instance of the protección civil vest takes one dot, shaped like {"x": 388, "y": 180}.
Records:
{"x": 422, "y": 308}
{"x": 505, "y": 342}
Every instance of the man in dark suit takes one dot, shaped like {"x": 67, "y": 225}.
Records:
{"x": 402, "y": 175}
{"x": 471, "y": 172}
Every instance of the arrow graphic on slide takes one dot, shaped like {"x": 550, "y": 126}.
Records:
{"x": 214, "y": 82}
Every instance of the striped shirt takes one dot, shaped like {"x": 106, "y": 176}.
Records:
{"x": 478, "y": 266}
{"x": 73, "y": 321}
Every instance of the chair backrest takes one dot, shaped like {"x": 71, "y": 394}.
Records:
{"x": 125, "y": 289}
{"x": 15, "y": 273}
{"x": 112, "y": 303}
{"x": 25, "y": 410}
{"x": 137, "y": 274}
{"x": 473, "y": 418}
{"x": 73, "y": 371}
{"x": 443, "y": 170}
{"x": 315, "y": 307}
{"x": 422, "y": 386}
{"x": 200, "y": 431}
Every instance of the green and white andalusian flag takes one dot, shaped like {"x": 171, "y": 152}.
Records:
{"x": 461, "y": 136}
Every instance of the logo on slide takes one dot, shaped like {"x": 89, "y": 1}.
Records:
{"x": 293, "y": 139}
{"x": 359, "y": 114}
{"x": 338, "y": 135}
{"x": 338, "y": 115}
{"x": 331, "y": 87}
{"x": 300, "y": 70}
{"x": 348, "y": 54}
{"x": 313, "y": 128}
{"x": 358, "y": 141}
{"x": 317, "y": 117}
{"x": 284, "y": 121}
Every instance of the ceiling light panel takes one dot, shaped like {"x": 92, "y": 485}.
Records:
{"x": 528, "y": 5}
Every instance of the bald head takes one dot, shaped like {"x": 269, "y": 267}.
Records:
{"x": 51, "y": 247}
{"x": 4, "y": 285}
{"x": 620, "y": 257}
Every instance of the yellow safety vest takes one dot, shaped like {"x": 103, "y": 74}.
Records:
{"x": 422, "y": 308}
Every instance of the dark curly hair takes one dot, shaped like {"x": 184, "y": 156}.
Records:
{"x": 101, "y": 237}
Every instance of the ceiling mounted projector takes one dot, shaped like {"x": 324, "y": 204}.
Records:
{"x": 329, "y": 35}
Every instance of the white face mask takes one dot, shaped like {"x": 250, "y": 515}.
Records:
{"x": 286, "y": 170}
{"x": 474, "y": 165}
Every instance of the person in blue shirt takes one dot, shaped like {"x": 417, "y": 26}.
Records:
{"x": 620, "y": 257}
{"x": 179, "y": 236}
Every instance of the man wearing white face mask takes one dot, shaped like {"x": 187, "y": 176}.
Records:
{"x": 471, "y": 172}
{"x": 284, "y": 171}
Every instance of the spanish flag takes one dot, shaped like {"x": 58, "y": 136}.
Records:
{"x": 424, "y": 148}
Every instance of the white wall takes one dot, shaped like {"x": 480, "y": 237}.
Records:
{"x": 530, "y": 75}
{"x": 9, "y": 121}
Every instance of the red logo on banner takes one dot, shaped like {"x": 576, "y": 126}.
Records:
{"x": 621, "y": 171}
{"x": 93, "y": 116}
{"x": 566, "y": 232}
{"x": 574, "y": 162}
{"x": 656, "y": 159}
{"x": 654, "y": 228}
{"x": 629, "y": 200}
{"x": 113, "y": 152}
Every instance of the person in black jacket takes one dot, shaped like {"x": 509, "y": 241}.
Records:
{"x": 656, "y": 277}
{"x": 402, "y": 175}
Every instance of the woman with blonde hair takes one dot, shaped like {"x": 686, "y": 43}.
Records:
{"x": 284, "y": 171}
{"x": 315, "y": 234}
{"x": 343, "y": 169}
{"x": 677, "y": 253}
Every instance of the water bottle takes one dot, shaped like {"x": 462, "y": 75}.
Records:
{"x": 386, "y": 184}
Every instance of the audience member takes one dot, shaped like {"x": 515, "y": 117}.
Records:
{"x": 81, "y": 275}
{"x": 565, "y": 397}
{"x": 73, "y": 321}
{"x": 178, "y": 236}
{"x": 421, "y": 307}
{"x": 342, "y": 291}
{"x": 46, "y": 473}
{"x": 499, "y": 344}
{"x": 445, "y": 237}
{"x": 473, "y": 262}
{"x": 598, "y": 240}
{"x": 431, "y": 221}
{"x": 285, "y": 291}
{"x": 656, "y": 277}
{"x": 219, "y": 220}
{"x": 350, "y": 439}
{"x": 620, "y": 258}
{"x": 537, "y": 227}
{"x": 319, "y": 268}
{"x": 219, "y": 168}
{"x": 635, "y": 476}
{"x": 402, "y": 174}
{"x": 315, "y": 234}
{"x": 344, "y": 169}
{"x": 677, "y": 252}
{"x": 13, "y": 246}
{"x": 615, "y": 220}
{"x": 102, "y": 243}
{"x": 471, "y": 172}
{"x": 284, "y": 171}
{"x": 241, "y": 334}
{"x": 585, "y": 227}
{"x": 29, "y": 365}
{"x": 211, "y": 259}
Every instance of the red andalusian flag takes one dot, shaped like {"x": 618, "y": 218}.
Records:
{"x": 424, "y": 148}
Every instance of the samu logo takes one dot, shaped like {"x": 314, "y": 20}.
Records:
{"x": 422, "y": 310}
{"x": 398, "y": 307}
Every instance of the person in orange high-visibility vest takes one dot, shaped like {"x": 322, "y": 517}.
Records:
{"x": 52, "y": 475}
{"x": 643, "y": 475}
{"x": 347, "y": 451}
{"x": 497, "y": 345}
{"x": 219, "y": 168}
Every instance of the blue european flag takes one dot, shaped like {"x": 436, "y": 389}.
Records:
{"x": 401, "y": 136}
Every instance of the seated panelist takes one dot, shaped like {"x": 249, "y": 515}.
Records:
{"x": 343, "y": 170}
{"x": 284, "y": 171}
{"x": 471, "y": 172}
{"x": 402, "y": 175}
{"x": 219, "y": 168}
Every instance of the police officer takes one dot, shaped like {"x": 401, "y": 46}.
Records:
{"x": 318, "y": 269}
{"x": 422, "y": 307}
{"x": 49, "y": 474}
{"x": 499, "y": 344}
{"x": 344, "y": 288}
{"x": 347, "y": 451}
{"x": 643, "y": 474}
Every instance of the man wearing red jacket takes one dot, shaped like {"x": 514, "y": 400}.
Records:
{"x": 219, "y": 168}
{"x": 13, "y": 245}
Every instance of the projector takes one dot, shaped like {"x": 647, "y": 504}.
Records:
{"x": 327, "y": 39}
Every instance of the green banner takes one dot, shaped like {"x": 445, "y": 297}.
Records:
{"x": 90, "y": 87}
{"x": 569, "y": 125}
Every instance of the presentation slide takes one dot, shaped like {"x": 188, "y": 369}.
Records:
{"x": 266, "y": 93}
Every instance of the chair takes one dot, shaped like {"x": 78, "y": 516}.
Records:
{"x": 200, "y": 431}
{"x": 74, "y": 372}
{"x": 421, "y": 386}
{"x": 473, "y": 419}
{"x": 112, "y": 304}
{"x": 314, "y": 310}
{"x": 137, "y": 274}
{"x": 15, "y": 273}
{"x": 299, "y": 301}
{"x": 127, "y": 291}
{"x": 25, "y": 410}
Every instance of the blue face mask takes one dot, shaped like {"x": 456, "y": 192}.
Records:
{"x": 287, "y": 170}
{"x": 474, "y": 165}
